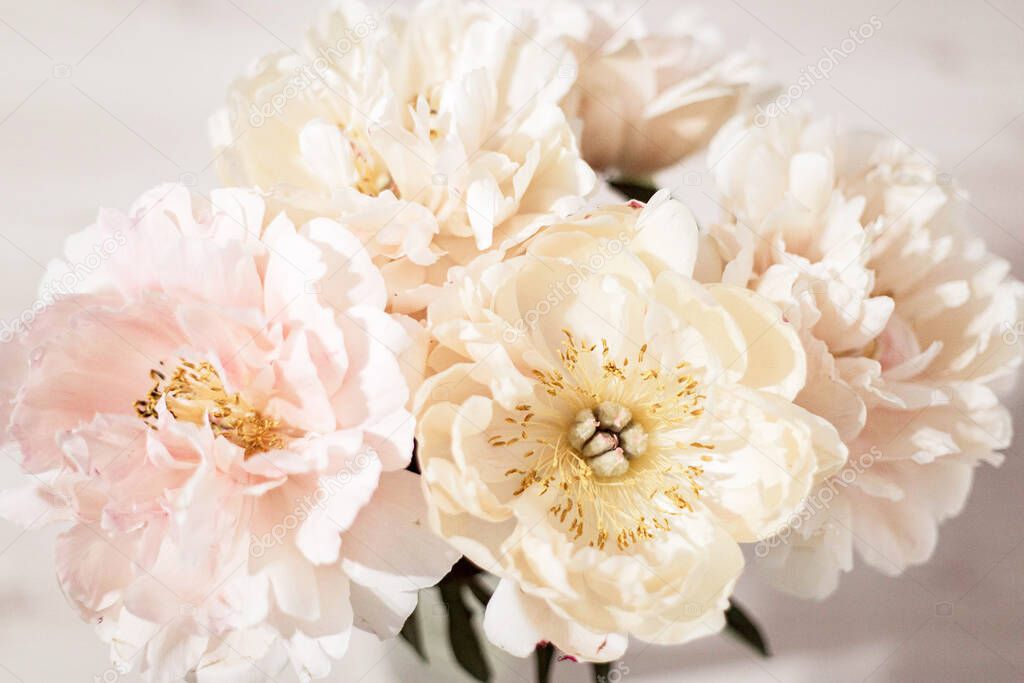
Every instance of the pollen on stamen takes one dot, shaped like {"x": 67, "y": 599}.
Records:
{"x": 195, "y": 393}
{"x": 631, "y": 507}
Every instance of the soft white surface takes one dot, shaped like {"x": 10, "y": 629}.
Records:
{"x": 100, "y": 100}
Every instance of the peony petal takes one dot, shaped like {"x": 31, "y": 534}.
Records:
{"x": 399, "y": 511}
{"x": 517, "y": 623}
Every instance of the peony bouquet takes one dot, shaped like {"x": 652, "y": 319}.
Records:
{"x": 419, "y": 344}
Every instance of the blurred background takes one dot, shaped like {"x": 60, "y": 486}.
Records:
{"x": 101, "y": 100}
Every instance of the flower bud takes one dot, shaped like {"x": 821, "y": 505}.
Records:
{"x": 633, "y": 440}
{"x": 582, "y": 429}
{"x": 610, "y": 464}
{"x": 602, "y": 442}
{"x": 613, "y": 416}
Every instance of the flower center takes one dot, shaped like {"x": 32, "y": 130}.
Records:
{"x": 195, "y": 393}
{"x": 372, "y": 174}
{"x": 611, "y": 443}
{"x": 607, "y": 438}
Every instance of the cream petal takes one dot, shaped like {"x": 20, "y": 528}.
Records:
{"x": 810, "y": 559}
{"x": 327, "y": 154}
{"x": 399, "y": 510}
{"x": 666, "y": 236}
{"x": 175, "y": 651}
{"x": 874, "y": 261}
{"x": 760, "y": 479}
{"x": 720, "y": 343}
{"x": 517, "y": 623}
{"x": 829, "y": 395}
{"x": 811, "y": 179}
{"x": 382, "y": 613}
{"x": 775, "y": 358}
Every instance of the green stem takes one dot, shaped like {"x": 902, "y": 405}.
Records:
{"x": 545, "y": 655}
{"x": 601, "y": 672}
{"x": 631, "y": 189}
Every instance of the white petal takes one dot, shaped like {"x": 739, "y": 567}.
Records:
{"x": 398, "y": 511}
{"x": 516, "y": 623}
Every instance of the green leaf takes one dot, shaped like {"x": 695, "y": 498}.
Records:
{"x": 414, "y": 460}
{"x": 480, "y": 591}
{"x": 739, "y": 623}
{"x": 463, "y": 569}
{"x": 601, "y": 672}
{"x": 411, "y": 634}
{"x": 462, "y": 633}
{"x": 545, "y": 654}
{"x": 638, "y": 190}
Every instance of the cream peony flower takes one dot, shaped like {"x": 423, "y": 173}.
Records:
{"x": 902, "y": 313}
{"x": 646, "y": 100}
{"x": 601, "y": 432}
{"x": 220, "y": 418}
{"x": 436, "y": 134}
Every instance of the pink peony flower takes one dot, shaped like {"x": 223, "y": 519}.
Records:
{"x": 903, "y": 313}
{"x": 219, "y": 412}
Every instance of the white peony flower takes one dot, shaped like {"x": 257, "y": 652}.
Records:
{"x": 601, "y": 431}
{"x": 437, "y": 134}
{"x": 902, "y": 313}
{"x": 646, "y": 99}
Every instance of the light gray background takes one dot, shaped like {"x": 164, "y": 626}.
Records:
{"x": 102, "y": 99}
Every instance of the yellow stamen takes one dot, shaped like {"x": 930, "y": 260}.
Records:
{"x": 629, "y": 508}
{"x": 195, "y": 393}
